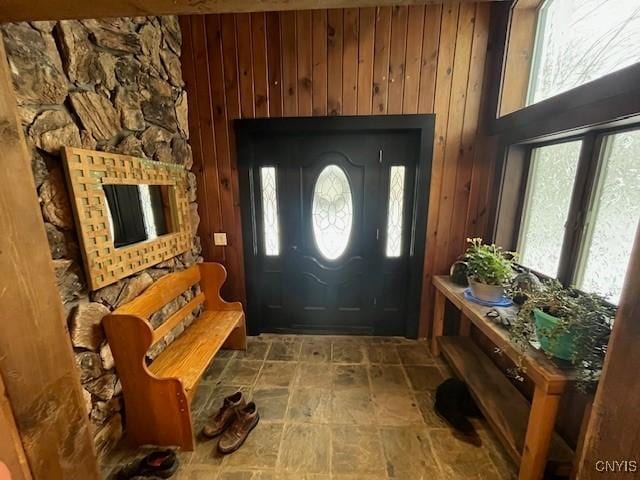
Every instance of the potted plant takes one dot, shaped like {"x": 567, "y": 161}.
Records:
{"x": 489, "y": 270}
{"x": 569, "y": 325}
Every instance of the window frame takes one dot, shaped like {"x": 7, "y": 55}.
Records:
{"x": 526, "y": 193}
{"x": 536, "y": 49}
{"x": 519, "y": 33}
{"x": 588, "y": 175}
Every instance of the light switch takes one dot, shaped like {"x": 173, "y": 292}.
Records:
{"x": 220, "y": 239}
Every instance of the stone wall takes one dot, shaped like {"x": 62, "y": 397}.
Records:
{"x": 112, "y": 85}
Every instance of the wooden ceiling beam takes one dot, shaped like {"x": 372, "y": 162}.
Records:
{"x": 28, "y": 10}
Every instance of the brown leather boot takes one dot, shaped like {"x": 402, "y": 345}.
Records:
{"x": 246, "y": 419}
{"x": 225, "y": 416}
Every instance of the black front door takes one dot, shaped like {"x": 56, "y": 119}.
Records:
{"x": 331, "y": 224}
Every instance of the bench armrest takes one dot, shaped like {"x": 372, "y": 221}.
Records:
{"x": 212, "y": 276}
{"x": 157, "y": 408}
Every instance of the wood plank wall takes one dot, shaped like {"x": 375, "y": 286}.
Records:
{"x": 354, "y": 61}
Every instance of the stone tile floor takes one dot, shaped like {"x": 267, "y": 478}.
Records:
{"x": 339, "y": 408}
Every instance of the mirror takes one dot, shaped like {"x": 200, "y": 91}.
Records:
{"x": 131, "y": 213}
{"x": 137, "y": 213}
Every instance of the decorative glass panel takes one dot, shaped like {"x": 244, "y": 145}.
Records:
{"x": 614, "y": 215}
{"x": 394, "y": 215}
{"x": 582, "y": 40}
{"x": 332, "y": 212}
{"x": 551, "y": 179}
{"x": 270, "y": 211}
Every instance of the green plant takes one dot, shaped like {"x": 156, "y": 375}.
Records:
{"x": 586, "y": 317}
{"x": 488, "y": 264}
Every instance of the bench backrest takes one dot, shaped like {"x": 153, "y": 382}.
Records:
{"x": 165, "y": 290}
{"x": 210, "y": 276}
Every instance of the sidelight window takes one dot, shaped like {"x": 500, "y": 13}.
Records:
{"x": 332, "y": 212}
{"x": 394, "y": 214}
{"x": 270, "y": 211}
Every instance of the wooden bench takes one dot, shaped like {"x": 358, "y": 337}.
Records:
{"x": 157, "y": 397}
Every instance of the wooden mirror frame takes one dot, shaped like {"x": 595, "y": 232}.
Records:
{"x": 87, "y": 171}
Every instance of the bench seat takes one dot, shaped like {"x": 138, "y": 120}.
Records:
{"x": 157, "y": 397}
{"x": 189, "y": 356}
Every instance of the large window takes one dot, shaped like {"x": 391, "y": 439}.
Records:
{"x": 613, "y": 217}
{"x": 578, "y": 41}
{"x": 580, "y": 210}
{"x": 551, "y": 178}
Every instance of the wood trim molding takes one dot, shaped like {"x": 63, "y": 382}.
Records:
{"x": 512, "y": 193}
{"x": 519, "y": 49}
{"x": 27, "y": 10}
{"x": 613, "y": 98}
{"x": 36, "y": 359}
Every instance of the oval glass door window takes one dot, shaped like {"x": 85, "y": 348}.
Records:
{"x": 332, "y": 212}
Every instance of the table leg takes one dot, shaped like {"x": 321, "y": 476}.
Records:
{"x": 438, "y": 322}
{"x": 542, "y": 420}
{"x": 464, "y": 329}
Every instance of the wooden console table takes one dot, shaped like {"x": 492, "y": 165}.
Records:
{"x": 526, "y": 431}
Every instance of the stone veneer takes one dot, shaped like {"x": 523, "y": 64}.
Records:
{"x": 113, "y": 85}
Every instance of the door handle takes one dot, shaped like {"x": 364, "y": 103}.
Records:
{"x": 294, "y": 248}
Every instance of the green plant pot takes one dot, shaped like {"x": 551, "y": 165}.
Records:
{"x": 563, "y": 345}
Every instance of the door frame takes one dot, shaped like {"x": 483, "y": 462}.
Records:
{"x": 423, "y": 124}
